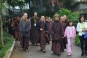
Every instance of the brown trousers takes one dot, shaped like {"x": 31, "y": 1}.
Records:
{"x": 24, "y": 41}
{"x": 42, "y": 43}
{"x": 17, "y": 35}
{"x": 56, "y": 46}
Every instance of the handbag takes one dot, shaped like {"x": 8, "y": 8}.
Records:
{"x": 85, "y": 35}
{"x": 47, "y": 37}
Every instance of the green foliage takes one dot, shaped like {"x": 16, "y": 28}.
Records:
{"x": 70, "y": 15}
{"x": 14, "y": 3}
{"x": 8, "y": 43}
{"x": 77, "y": 41}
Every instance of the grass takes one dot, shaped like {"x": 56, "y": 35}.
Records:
{"x": 8, "y": 41}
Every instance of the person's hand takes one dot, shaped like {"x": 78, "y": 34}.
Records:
{"x": 71, "y": 37}
{"x": 46, "y": 32}
{"x": 29, "y": 18}
{"x": 84, "y": 30}
{"x": 62, "y": 37}
{"x": 41, "y": 29}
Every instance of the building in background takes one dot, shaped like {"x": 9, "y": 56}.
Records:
{"x": 54, "y": 1}
{"x": 79, "y": 0}
{"x": 79, "y": 5}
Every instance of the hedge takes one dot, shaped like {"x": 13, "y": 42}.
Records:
{"x": 8, "y": 41}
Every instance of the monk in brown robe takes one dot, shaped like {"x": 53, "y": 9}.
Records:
{"x": 34, "y": 31}
{"x": 12, "y": 27}
{"x": 42, "y": 29}
{"x": 25, "y": 26}
{"x": 57, "y": 34}
{"x": 47, "y": 20}
{"x": 9, "y": 26}
{"x": 63, "y": 40}
{"x": 66, "y": 22}
{"x": 17, "y": 29}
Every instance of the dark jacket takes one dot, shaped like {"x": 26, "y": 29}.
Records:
{"x": 25, "y": 30}
{"x": 56, "y": 31}
{"x": 39, "y": 26}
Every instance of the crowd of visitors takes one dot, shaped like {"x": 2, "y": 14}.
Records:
{"x": 43, "y": 30}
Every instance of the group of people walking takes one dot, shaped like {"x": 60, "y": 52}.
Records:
{"x": 43, "y": 30}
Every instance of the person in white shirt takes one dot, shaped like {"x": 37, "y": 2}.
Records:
{"x": 81, "y": 29}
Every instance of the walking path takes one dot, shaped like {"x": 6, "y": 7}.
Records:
{"x": 35, "y": 53}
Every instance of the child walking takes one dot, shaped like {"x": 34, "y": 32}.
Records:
{"x": 70, "y": 33}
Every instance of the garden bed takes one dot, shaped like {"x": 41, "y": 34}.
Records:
{"x": 8, "y": 41}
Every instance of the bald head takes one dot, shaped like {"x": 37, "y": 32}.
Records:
{"x": 65, "y": 17}
{"x": 62, "y": 19}
{"x": 25, "y": 15}
{"x": 42, "y": 18}
{"x": 35, "y": 14}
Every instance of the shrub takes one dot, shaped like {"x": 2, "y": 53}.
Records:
{"x": 70, "y": 15}
{"x": 8, "y": 40}
{"x": 77, "y": 41}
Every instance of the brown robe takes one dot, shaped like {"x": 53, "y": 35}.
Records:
{"x": 49, "y": 31}
{"x": 63, "y": 40}
{"x": 42, "y": 34}
{"x": 24, "y": 42}
{"x": 42, "y": 38}
{"x": 67, "y": 23}
{"x": 12, "y": 28}
{"x": 34, "y": 31}
{"x": 57, "y": 33}
{"x": 17, "y": 29}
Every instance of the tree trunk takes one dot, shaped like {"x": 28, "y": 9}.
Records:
{"x": 29, "y": 4}
{"x": 1, "y": 24}
{"x": 20, "y": 9}
{"x": 13, "y": 10}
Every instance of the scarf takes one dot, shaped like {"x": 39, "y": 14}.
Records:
{"x": 34, "y": 20}
{"x": 83, "y": 26}
{"x": 25, "y": 22}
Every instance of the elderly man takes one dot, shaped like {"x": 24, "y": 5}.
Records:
{"x": 57, "y": 34}
{"x": 63, "y": 40}
{"x": 42, "y": 29}
{"x": 66, "y": 22}
{"x": 34, "y": 32}
{"x": 25, "y": 26}
{"x": 17, "y": 29}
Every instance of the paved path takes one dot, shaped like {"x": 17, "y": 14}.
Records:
{"x": 35, "y": 53}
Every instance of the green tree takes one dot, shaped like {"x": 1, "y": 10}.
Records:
{"x": 14, "y": 3}
{"x": 28, "y": 1}
{"x": 20, "y": 3}
{"x": 70, "y": 15}
{"x": 1, "y": 23}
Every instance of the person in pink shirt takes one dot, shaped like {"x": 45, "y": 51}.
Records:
{"x": 70, "y": 33}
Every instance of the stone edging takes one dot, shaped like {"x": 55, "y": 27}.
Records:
{"x": 9, "y": 52}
